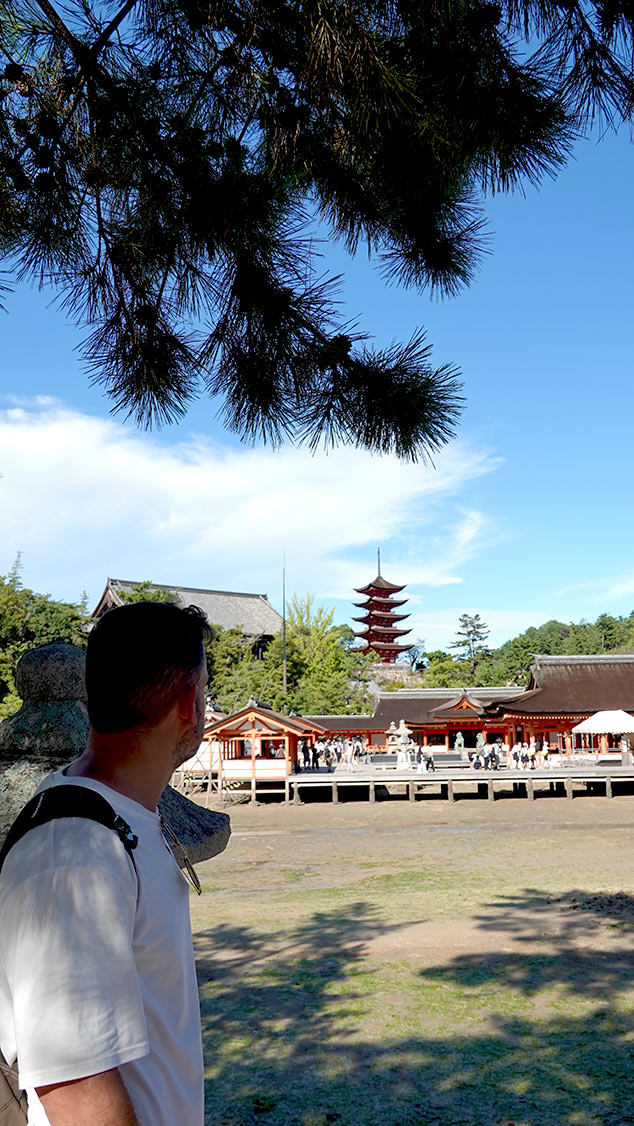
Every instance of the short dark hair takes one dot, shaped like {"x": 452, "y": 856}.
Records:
{"x": 139, "y": 658}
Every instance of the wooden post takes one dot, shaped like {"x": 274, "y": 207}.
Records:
{"x": 335, "y": 793}
{"x": 530, "y": 789}
{"x": 412, "y": 796}
{"x": 287, "y": 790}
{"x": 372, "y": 792}
{"x": 608, "y": 787}
{"x": 253, "y": 757}
{"x": 296, "y": 797}
{"x": 569, "y": 793}
{"x": 450, "y": 794}
{"x": 222, "y": 746}
{"x": 424, "y": 738}
{"x": 491, "y": 793}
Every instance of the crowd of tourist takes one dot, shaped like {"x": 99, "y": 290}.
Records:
{"x": 331, "y": 752}
{"x": 520, "y": 756}
{"x": 353, "y": 752}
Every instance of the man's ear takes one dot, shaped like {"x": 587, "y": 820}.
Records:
{"x": 186, "y": 705}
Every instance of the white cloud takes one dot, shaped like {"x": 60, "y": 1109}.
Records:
{"x": 603, "y": 591}
{"x": 620, "y": 588}
{"x": 85, "y": 497}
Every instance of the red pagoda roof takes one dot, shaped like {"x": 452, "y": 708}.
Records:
{"x": 381, "y": 616}
{"x": 382, "y": 630}
{"x": 375, "y": 603}
{"x": 379, "y": 584}
{"x": 385, "y": 647}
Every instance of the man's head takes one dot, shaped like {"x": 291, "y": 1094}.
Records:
{"x": 141, "y": 661}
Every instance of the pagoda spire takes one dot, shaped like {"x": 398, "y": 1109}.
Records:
{"x": 381, "y": 633}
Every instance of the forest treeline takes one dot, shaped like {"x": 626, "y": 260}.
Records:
{"x": 510, "y": 663}
{"x": 325, "y": 674}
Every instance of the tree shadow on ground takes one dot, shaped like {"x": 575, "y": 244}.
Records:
{"x": 302, "y": 1028}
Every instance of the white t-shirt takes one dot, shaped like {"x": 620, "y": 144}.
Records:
{"x": 96, "y": 965}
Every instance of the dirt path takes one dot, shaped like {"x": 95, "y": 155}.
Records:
{"x": 407, "y": 963}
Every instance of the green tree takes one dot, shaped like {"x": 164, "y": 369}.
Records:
{"x": 444, "y": 671}
{"x": 324, "y": 674}
{"x": 471, "y": 636}
{"x": 158, "y": 161}
{"x": 146, "y": 592}
{"x": 28, "y": 619}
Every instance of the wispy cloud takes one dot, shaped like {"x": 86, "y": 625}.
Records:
{"x": 84, "y": 497}
{"x": 602, "y": 591}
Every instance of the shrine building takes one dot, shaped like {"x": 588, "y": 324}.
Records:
{"x": 252, "y": 613}
{"x": 562, "y": 691}
{"x": 257, "y": 745}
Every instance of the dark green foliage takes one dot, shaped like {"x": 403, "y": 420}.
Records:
{"x": 471, "y": 635}
{"x": 28, "y": 619}
{"x": 510, "y": 664}
{"x": 161, "y": 165}
{"x": 324, "y": 674}
{"x": 146, "y": 592}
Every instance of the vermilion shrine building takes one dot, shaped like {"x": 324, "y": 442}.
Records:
{"x": 562, "y": 691}
{"x": 259, "y": 745}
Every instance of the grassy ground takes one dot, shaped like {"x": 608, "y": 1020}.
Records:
{"x": 405, "y": 964}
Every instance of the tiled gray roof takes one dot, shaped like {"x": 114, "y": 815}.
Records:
{"x": 577, "y": 685}
{"x": 419, "y": 705}
{"x": 344, "y": 722}
{"x": 252, "y": 612}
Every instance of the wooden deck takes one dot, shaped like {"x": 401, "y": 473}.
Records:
{"x": 449, "y": 784}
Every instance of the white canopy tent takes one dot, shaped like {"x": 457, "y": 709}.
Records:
{"x": 603, "y": 724}
{"x": 606, "y": 723}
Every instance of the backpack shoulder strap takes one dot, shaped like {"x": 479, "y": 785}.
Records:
{"x": 68, "y": 801}
{"x": 13, "y": 1101}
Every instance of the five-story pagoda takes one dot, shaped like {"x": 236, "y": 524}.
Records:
{"x": 380, "y": 618}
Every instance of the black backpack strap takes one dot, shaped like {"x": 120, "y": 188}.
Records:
{"x": 68, "y": 801}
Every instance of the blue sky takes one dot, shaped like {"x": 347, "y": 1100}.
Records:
{"x": 526, "y": 516}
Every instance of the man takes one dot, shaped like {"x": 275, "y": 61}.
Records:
{"x": 98, "y": 997}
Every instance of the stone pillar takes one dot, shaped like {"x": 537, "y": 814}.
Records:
{"x": 50, "y": 730}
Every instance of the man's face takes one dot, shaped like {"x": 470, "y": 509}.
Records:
{"x": 190, "y": 740}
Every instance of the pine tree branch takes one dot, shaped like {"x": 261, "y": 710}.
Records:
{"x": 110, "y": 29}
{"x": 77, "y": 48}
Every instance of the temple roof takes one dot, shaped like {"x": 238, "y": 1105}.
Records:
{"x": 253, "y": 613}
{"x": 376, "y": 603}
{"x": 359, "y": 723}
{"x": 384, "y": 632}
{"x": 461, "y": 705}
{"x": 381, "y": 616}
{"x": 384, "y": 646}
{"x": 421, "y": 705}
{"x": 255, "y": 717}
{"x": 381, "y": 584}
{"x": 576, "y": 685}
